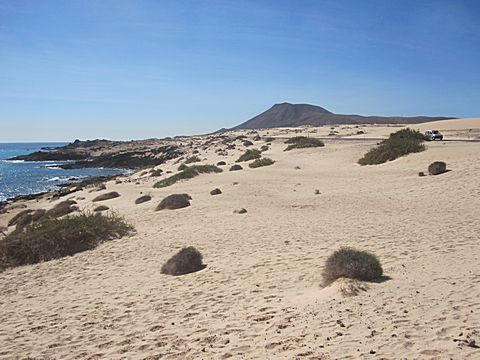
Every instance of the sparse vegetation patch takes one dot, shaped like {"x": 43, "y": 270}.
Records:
{"x": 261, "y": 162}
{"x": 399, "y": 144}
{"x": 300, "y": 142}
{"x": 185, "y": 174}
{"x": 50, "y": 238}
{"x": 353, "y": 264}
{"x": 250, "y": 154}
{"x": 192, "y": 159}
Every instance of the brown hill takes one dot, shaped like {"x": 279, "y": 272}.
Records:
{"x": 291, "y": 115}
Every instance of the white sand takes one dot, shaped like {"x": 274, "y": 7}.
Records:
{"x": 260, "y": 296}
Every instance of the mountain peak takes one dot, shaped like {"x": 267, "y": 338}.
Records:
{"x": 291, "y": 115}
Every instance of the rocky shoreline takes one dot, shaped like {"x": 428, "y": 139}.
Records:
{"x": 108, "y": 154}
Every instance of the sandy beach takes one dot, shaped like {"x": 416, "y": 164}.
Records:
{"x": 261, "y": 294}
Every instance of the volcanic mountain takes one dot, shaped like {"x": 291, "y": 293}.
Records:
{"x": 292, "y": 115}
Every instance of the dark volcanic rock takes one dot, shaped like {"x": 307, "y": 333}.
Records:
{"x": 127, "y": 160}
{"x": 174, "y": 201}
{"x": 101, "y": 208}
{"x": 143, "y": 199}
{"x": 437, "y": 167}
{"x": 186, "y": 261}
{"x": 216, "y": 191}
{"x": 105, "y": 153}
{"x": 58, "y": 155}
{"x": 236, "y": 167}
{"x": 107, "y": 196}
{"x": 240, "y": 211}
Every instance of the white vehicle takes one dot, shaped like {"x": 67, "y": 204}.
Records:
{"x": 433, "y": 135}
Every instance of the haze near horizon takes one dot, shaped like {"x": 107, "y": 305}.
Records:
{"x": 130, "y": 70}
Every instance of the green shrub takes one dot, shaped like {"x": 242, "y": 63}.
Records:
{"x": 353, "y": 264}
{"x": 186, "y": 261}
{"x": 261, "y": 162}
{"x": 186, "y": 174}
{"x": 206, "y": 169}
{"x": 192, "y": 159}
{"x": 250, "y": 154}
{"x": 408, "y": 134}
{"x": 51, "y": 238}
{"x": 299, "y": 142}
{"x": 400, "y": 143}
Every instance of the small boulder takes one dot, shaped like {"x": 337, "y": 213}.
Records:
{"x": 143, "y": 199}
{"x": 240, "y": 211}
{"x": 236, "y": 167}
{"x": 216, "y": 191}
{"x": 101, "y": 208}
{"x": 221, "y": 163}
{"x": 421, "y": 173}
{"x": 107, "y": 196}
{"x": 187, "y": 260}
{"x": 437, "y": 167}
{"x": 174, "y": 201}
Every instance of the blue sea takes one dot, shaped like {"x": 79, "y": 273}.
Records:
{"x": 23, "y": 178}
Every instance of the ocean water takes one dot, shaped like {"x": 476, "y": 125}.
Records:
{"x": 23, "y": 178}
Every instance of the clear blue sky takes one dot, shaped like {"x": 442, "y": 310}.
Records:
{"x": 125, "y": 69}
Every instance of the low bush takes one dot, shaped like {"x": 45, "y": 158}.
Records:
{"x": 261, "y": 162}
{"x": 206, "y": 169}
{"x": 300, "y": 142}
{"x": 247, "y": 143}
{"x": 351, "y": 263}
{"x": 398, "y": 144}
{"x": 174, "y": 201}
{"x": 19, "y": 217}
{"x": 250, "y": 154}
{"x": 192, "y": 159}
{"x": 408, "y": 134}
{"x": 50, "y": 238}
{"x": 221, "y": 163}
{"x": 186, "y": 174}
{"x": 236, "y": 167}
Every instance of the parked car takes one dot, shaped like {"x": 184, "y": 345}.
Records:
{"x": 433, "y": 135}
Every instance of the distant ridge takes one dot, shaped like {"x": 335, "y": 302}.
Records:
{"x": 292, "y": 115}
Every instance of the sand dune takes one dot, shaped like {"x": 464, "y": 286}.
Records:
{"x": 260, "y": 296}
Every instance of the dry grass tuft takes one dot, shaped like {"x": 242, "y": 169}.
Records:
{"x": 50, "y": 238}
{"x": 353, "y": 264}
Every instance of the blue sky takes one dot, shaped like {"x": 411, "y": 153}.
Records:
{"x": 125, "y": 69}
